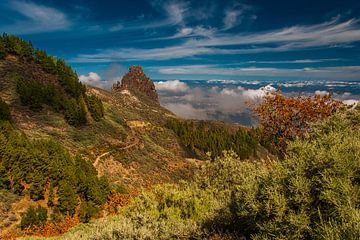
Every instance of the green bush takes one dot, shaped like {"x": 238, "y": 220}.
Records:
{"x": 67, "y": 198}
{"x": 34, "y": 217}
{"x": 4, "y": 111}
{"x": 87, "y": 211}
{"x": 95, "y": 107}
{"x": 10, "y": 44}
{"x": 313, "y": 193}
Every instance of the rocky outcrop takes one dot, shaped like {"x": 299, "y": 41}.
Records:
{"x": 136, "y": 81}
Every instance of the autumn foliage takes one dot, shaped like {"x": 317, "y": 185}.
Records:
{"x": 53, "y": 229}
{"x": 49, "y": 229}
{"x": 117, "y": 200}
{"x": 287, "y": 118}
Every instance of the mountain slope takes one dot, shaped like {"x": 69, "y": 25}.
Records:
{"x": 131, "y": 131}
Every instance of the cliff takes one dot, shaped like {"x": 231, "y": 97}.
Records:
{"x": 136, "y": 81}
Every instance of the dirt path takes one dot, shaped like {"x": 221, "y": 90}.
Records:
{"x": 99, "y": 157}
{"x": 131, "y": 141}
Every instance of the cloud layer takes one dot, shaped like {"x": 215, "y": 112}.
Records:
{"x": 229, "y": 100}
{"x": 202, "y": 102}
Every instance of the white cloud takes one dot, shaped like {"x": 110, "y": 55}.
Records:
{"x": 223, "y": 103}
{"x": 133, "y": 54}
{"x": 39, "y": 18}
{"x": 116, "y": 27}
{"x": 300, "y": 61}
{"x": 228, "y": 92}
{"x": 339, "y": 72}
{"x": 234, "y": 15}
{"x": 112, "y": 75}
{"x": 197, "y": 31}
{"x": 92, "y": 77}
{"x": 231, "y": 18}
{"x": 323, "y": 34}
{"x": 176, "y": 11}
{"x": 186, "y": 110}
{"x": 171, "y": 86}
{"x": 255, "y": 94}
{"x": 321, "y": 93}
{"x": 185, "y": 31}
{"x": 351, "y": 102}
{"x": 213, "y": 42}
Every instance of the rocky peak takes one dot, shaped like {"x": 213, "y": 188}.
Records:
{"x": 135, "y": 80}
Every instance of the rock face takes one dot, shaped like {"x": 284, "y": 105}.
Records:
{"x": 135, "y": 80}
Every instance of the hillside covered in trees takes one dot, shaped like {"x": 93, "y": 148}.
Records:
{"x": 207, "y": 137}
{"x": 66, "y": 94}
{"x": 44, "y": 170}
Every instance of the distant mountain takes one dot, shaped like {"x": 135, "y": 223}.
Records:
{"x": 136, "y": 80}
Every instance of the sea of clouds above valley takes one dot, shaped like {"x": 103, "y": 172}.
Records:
{"x": 231, "y": 100}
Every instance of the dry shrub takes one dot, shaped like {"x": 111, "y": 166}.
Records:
{"x": 117, "y": 200}
{"x": 53, "y": 229}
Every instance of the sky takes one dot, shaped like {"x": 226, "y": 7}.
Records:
{"x": 194, "y": 40}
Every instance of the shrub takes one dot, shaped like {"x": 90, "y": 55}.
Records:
{"x": 87, "y": 211}
{"x": 4, "y": 111}
{"x": 287, "y": 118}
{"x": 67, "y": 198}
{"x": 95, "y": 107}
{"x": 313, "y": 193}
{"x": 34, "y": 217}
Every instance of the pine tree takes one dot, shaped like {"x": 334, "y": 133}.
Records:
{"x": 67, "y": 198}
{"x": 37, "y": 188}
{"x": 51, "y": 196}
{"x": 29, "y": 219}
{"x": 87, "y": 211}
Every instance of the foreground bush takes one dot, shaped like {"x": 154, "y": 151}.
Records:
{"x": 314, "y": 193}
{"x": 284, "y": 119}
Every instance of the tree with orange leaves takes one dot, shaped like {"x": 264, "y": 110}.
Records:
{"x": 288, "y": 118}
{"x": 117, "y": 200}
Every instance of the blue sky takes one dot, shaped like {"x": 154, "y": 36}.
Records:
{"x": 204, "y": 39}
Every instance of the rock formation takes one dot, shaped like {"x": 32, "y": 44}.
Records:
{"x": 136, "y": 81}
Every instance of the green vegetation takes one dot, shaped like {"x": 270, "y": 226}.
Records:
{"x": 313, "y": 193}
{"x": 95, "y": 107}
{"x": 34, "y": 217}
{"x": 10, "y": 44}
{"x": 207, "y": 137}
{"x": 4, "y": 111}
{"x": 66, "y": 95}
{"x": 42, "y": 163}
